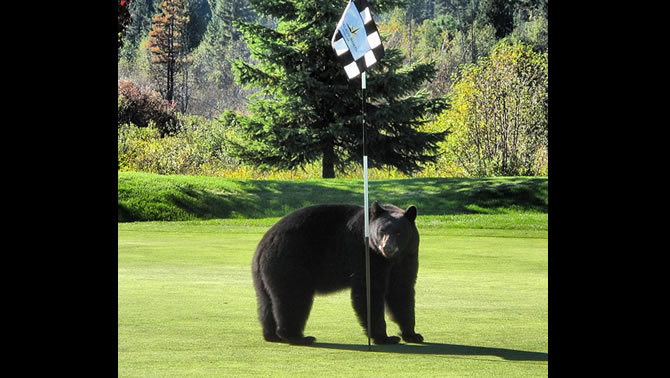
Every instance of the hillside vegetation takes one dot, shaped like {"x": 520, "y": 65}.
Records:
{"x": 230, "y": 87}
{"x": 152, "y": 197}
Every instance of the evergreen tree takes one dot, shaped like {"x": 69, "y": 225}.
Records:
{"x": 221, "y": 28}
{"x": 214, "y": 84}
{"x": 500, "y": 13}
{"x": 200, "y": 14}
{"x": 123, "y": 20}
{"x": 306, "y": 108}
{"x": 140, "y": 12}
{"x": 166, "y": 43}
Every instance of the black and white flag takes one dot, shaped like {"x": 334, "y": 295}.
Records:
{"x": 356, "y": 40}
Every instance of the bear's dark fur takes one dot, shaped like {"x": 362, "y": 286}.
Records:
{"x": 319, "y": 249}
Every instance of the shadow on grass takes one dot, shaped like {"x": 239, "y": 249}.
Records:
{"x": 443, "y": 349}
{"x": 257, "y": 199}
{"x": 446, "y": 196}
{"x": 175, "y": 200}
{"x": 432, "y": 196}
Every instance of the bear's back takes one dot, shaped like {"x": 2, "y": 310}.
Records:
{"x": 318, "y": 240}
{"x": 317, "y": 217}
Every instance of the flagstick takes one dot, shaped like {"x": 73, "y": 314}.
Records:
{"x": 367, "y": 220}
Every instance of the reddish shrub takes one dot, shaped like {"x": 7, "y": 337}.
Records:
{"x": 139, "y": 106}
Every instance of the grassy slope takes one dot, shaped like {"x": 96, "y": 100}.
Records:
{"x": 145, "y": 196}
{"x": 186, "y": 305}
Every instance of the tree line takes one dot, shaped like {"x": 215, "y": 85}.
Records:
{"x": 263, "y": 67}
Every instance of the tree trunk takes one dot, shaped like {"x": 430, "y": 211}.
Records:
{"x": 328, "y": 162}
{"x": 170, "y": 61}
{"x": 170, "y": 82}
{"x": 473, "y": 45}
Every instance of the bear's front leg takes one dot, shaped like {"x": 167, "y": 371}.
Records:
{"x": 400, "y": 299}
{"x": 400, "y": 303}
{"x": 378, "y": 325}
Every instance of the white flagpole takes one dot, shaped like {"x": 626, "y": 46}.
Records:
{"x": 367, "y": 219}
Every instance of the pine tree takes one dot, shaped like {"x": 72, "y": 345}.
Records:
{"x": 166, "y": 44}
{"x": 214, "y": 84}
{"x": 140, "y": 12}
{"x": 123, "y": 19}
{"x": 307, "y": 110}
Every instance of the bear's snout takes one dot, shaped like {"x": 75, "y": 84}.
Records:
{"x": 387, "y": 246}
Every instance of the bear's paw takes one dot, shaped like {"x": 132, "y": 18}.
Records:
{"x": 413, "y": 338}
{"x": 386, "y": 340}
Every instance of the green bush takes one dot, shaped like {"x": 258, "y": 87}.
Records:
{"x": 199, "y": 147}
{"x": 498, "y": 114}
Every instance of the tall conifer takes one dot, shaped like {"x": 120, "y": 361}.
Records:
{"x": 306, "y": 110}
{"x": 166, "y": 44}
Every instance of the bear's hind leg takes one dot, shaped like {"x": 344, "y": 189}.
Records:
{"x": 265, "y": 314}
{"x": 291, "y": 310}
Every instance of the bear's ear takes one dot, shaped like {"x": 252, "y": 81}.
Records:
{"x": 411, "y": 212}
{"x": 375, "y": 210}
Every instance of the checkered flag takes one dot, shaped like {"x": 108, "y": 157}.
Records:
{"x": 356, "y": 40}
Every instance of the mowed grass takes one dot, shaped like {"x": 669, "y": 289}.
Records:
{"x": 152, "y": 197}
{"x": 187, "y": 307}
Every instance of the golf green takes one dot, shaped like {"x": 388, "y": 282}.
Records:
{"x": 187, "y": 306}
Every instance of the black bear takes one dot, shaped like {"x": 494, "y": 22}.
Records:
{"x": 319, "y": 249}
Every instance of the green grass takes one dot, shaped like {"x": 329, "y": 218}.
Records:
{"x": 146, "y": 197}
{"x": 187, "y": 307}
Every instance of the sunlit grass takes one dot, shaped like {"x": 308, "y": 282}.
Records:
{"x": 187, "y": 307}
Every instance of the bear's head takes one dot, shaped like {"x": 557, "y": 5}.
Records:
{"x": 392, "y": 230}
